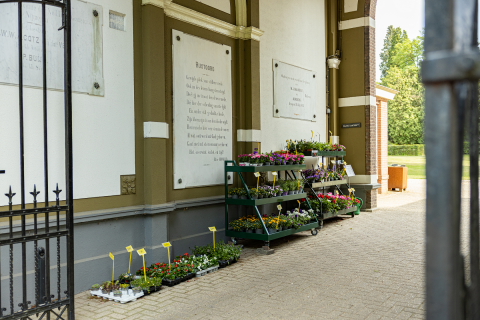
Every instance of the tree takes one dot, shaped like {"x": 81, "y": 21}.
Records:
{"x": 393, "y": 37}
{"x": 407, "y": 111}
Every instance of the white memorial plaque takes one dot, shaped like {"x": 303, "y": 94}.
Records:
{"x": 87, "y": 51}
{"x": 202, "y": 111}
{"x": 294, "y": 92}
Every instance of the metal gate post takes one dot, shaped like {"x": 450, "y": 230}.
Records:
{"x": 450, "y": 72}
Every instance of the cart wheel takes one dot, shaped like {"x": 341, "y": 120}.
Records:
{"x": 353, "y": 214}
{"x": 314, "y": 232}
{"x": 234, "y": 241}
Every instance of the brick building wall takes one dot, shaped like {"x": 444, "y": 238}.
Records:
{"x": 382, "y": 145}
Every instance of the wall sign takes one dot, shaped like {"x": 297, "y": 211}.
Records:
{"x": 87, "y": 51}
{"x": 202, "y": 110}
{"x": 351, "y": 125}
{"x": 117, "y": 21}
{"x": 349, "y": 170}
{"x": 294, "y": 92}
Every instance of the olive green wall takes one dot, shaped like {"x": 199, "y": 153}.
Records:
{"x": 352, "y": 68}
{"x": 354, "y": 138}
{"x": 350, "y": 81}
{"x": 210, "y": 11}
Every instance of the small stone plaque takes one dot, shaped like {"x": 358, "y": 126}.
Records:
{"x": 117, "y": 21}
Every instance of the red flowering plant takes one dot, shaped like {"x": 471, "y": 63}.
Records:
{"x": 148, "y": 272}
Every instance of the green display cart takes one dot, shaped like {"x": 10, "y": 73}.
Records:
{"x": 327, "y": 184}
{"x": 232, "y": 167}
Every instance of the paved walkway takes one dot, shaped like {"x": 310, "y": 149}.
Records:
{"x": 368, "y": 267}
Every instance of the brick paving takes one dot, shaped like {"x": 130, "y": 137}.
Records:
{"x": 368, "y": 267}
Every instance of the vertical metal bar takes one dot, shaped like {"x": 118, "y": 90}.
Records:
{"x": 35, "y": 247}
{"x": 443, "y": 285}
{"x": 45, "y": 110}
{"x": 46, "y": 280}
{"x": 69, "y": 157}
{"x": 474, "y": 304}
{"x": 58, "y": 244}
{"x": 474, "y": 192}
{"x": 450, "y": 25}
{"x": 22, "y": 153}
{"x": 10, "y": 196}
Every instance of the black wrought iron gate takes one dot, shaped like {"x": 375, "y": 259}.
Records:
{"x": 38, "y": 232}
{"x": 451, "y": 71}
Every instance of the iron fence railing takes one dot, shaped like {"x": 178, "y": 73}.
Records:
{"x": 39, "y": 224}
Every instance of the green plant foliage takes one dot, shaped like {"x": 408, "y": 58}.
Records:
{"x": 407, "y": 111}
{"x": 400, "y": 67}
{"x": 393, "y": 37}
{"x": 406, "y": 150}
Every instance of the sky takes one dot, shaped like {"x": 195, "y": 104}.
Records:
{"x": 406, "y": 14}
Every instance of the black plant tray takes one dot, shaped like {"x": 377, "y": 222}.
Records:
{"x": 152, "y": 290}
{"x": 226, "y": 263}
{"x": 171, "y": 283}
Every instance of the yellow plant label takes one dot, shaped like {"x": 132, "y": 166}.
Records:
{"x": 129, "y": 249}
{"x": 166, "y": 244}
{"x": 212, "y": 228}
{"x": 256, "y": 174}
{"x": 274, "y": 173}
{"x": 111, "y": 256}
{"x": 141, "y": 252}
{"x": 298, "y": 201}
{"x": 279, "y": 207}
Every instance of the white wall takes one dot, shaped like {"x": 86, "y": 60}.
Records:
{"x": 294, "y": 34}
{"x": 103, "y": 127}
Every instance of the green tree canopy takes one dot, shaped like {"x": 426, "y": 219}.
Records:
{"x": 406, "y": 112}
{"x": 401, "y": 58}
{"x": 393, "y": 37}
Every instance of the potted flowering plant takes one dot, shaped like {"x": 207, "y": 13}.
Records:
{"x": 242, "y": 193}
{"x": 258, "y": 227}
{"x": 286, "y": 188}
{"x": 232, "y": 193}
{"x": 253, "y": 193}
{"x": 106, "y": 287}
{"x": 95, "y": 287}
{"x": 125, "y": 278}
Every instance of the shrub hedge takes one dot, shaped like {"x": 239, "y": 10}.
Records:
{"x": 466, "y": 147}
{"x": 406, "y": 150}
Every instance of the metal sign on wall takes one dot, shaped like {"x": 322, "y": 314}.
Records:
{"x": 352, "y": 125}
{"x": 294, "y": 92}
{"x": 87, "y": 50}
{"x": 202, "y": 110}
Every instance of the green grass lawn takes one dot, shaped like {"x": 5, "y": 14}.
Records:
{"x": 416, "y": 165}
